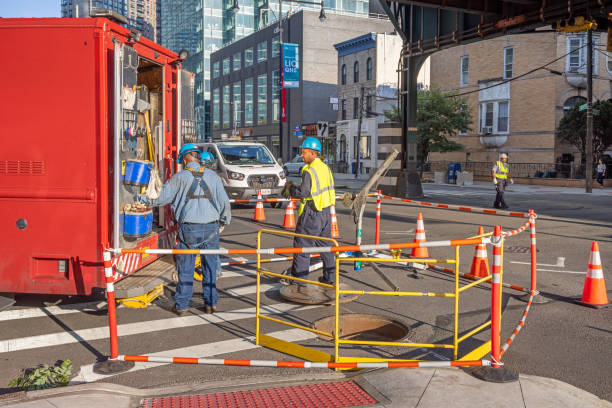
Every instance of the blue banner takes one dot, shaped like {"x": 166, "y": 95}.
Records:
{"x": 291, "y": 66}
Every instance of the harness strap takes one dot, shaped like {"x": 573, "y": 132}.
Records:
{"x": 198, "y": 180}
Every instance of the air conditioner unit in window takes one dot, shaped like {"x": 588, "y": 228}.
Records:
{"x": 486, "y": 130}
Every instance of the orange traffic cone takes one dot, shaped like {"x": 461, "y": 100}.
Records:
{"x": 480, "y": 263}
{"x": 594, "y": 293}
{"x": 289, "y": 221}
{"x": 419, "y": 236}
{"x": 259, "y": 210}
{"x": 335, "y": 232}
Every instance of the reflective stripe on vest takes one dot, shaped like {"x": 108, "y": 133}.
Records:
{"x": 501, "y": 171}
{"x": 322, "y": 193}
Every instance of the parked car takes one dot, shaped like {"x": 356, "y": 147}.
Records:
{"x": 246, "y": 168}
{"x": 294, "y": 166}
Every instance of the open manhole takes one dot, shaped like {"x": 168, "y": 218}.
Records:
{"x": 363, "y": 327}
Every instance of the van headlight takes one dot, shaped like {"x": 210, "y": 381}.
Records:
{"x": 232, "y": 175}
{"x": 282, "y": 175}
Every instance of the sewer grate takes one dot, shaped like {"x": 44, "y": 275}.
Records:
{"x": 332, "y": 395}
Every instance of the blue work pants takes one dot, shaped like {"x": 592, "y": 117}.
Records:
{"x": 197, "y": 236}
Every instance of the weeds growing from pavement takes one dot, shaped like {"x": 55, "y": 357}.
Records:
{"x": 44, "y": 376}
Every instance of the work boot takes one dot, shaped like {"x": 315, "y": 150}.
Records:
{"x": 210, "y": 309}
{"x": 179, "y": 312}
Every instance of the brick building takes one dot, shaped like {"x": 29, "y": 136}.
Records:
{"x": 519, "y": 114}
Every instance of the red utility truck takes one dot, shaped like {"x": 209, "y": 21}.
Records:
{"x": 88, "y": 111}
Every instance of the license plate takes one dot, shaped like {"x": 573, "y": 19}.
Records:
{"x": 266, "y": 191}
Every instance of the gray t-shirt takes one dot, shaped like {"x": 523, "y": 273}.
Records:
{"x": 601, "y": 168}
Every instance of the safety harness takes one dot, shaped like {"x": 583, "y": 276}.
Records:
{"x": 198, "y": 180}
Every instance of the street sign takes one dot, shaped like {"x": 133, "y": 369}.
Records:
{"x": 291, "y": 66}
{"x": 322, "y": 129}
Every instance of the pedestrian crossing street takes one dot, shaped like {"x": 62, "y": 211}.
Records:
{"x": 230, "y": 285}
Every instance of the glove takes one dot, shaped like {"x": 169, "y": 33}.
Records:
{"x": 511, "y": 181}
{"x": 286, "y": 191}
{"x": 495, "y": 181}
{"x": 221, "y": 228}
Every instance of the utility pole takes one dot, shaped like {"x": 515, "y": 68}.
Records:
{"x": 283, "y": 101}
{"x": 589, "y": 130}
{"x": 358, "y": 153}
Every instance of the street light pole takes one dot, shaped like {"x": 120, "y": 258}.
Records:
{"x": 282, "y": 84}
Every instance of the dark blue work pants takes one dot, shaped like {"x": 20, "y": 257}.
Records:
{"x": 197, "y": 236}
{"x": 317, "y": 223}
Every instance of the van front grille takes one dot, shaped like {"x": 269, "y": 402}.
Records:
{"x": 263, "y": 181}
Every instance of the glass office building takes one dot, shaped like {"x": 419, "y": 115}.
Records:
{"x": 205, "y": 26}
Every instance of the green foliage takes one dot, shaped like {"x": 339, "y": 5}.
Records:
{"x": 572, "y": 128}
{"x": 44, "y": 376}
{"x": 439, "y": 116}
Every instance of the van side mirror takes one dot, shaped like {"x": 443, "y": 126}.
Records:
{"x": 280, "y": 161}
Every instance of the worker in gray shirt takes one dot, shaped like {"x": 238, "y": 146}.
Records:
{"x": 202, "y": 209}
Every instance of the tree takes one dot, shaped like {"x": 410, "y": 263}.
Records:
{"x": 572, "y": 128}
{"x": 439, "y": 116}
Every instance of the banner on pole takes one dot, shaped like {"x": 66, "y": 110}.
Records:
{"x": 291, "y": 66}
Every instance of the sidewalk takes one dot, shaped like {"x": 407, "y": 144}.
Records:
{"x": 395, "y": 387}
{"x": 350, "y": 183}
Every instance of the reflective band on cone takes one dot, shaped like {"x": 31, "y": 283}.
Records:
{"x": 289, "y": 220}
{"x": 419, "y": 236}
{"x": 335, "y": 232}
{"x": 594, "y": 292}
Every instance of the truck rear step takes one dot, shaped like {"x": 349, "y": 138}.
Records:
{"x": 146, "y": 279}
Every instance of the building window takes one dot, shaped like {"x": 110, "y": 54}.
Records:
{"x": 248, "y": 57}
{"x": 609, "y": 63}
{"x": 236, "y": 62}
{"x": 248, "y": 101}
{"x": 276, "y": 94}
{"x": 237, "y": 118}
{"x": 343, "y": 79}
{"x": 355, "y": 108}
{"x": 571, "y": 102}
{"x": 342, "y": 149}
{"x": 577, "y": 53}
{"x": 343, "y": 110}
{"x": 508, "y": 62}
{"x": 494, "y": 117}
{"x": 465, "y": 64}
{"x": 364, "y": 147}
{"x": 262, "y": 51}
{"x": 356, "y": 71}
{"x": 461, "y": 109}
{"x": 226, "y": 106}
{"x": 216, "y": 69}
{"x": 369, "y": 105}
{"x": 216, "y": 102}
{"x": 226, "y": 66}
{"x": 369, "y": 69}
{"x": 276, "y": 46}
{"x": 262, "y": 99}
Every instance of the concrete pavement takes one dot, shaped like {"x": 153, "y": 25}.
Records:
{"x": 395, "y": 387}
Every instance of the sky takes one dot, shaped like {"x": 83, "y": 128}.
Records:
{"x": 29, "y": 8}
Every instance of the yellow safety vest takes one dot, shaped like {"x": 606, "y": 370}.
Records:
{"x": 322, "y": 192}
{"x": 502, "y": 170}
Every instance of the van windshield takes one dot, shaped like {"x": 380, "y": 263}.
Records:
{"x": 245, "y": 154}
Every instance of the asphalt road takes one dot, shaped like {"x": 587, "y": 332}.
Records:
{"x": 560, "y": 340}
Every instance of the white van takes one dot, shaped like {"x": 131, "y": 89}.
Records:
{"x": 246, "y": 168}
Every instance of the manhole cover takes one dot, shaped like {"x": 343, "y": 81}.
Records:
{"x": 518, "y": 249}
{"x": 365, "y": 327}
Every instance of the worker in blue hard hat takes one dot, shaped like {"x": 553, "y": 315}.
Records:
{"x": 207, "y": 159}
{"x": 314, "y": 217}
{"x": 202, "y": 209}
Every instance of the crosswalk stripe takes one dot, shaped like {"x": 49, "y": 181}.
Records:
{"x": 98, "y": 333}
{"x": 86, "y": 373}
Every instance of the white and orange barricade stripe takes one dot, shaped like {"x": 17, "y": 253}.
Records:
{"x": 378, "y": 205}
{"x": 459, "y": 207}
{"x": 594, "y": 293}
{"x": 335, "y": 232}
{"x": 518, "y": 327}
{"x": 110, "y": 298}
{"x": 496, "y": 298}
{"x": 304, "y": 364}
{"x": 419, "y": 237}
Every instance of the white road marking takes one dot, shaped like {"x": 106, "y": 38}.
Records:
{"x": 98, "y": 333}
{"x": 560, "y": 263}
{"x": 410, "y": 231}
{"x": 553, "y": 270}
{"x": 86, "y": 373}
{"x": 51, "y": 310}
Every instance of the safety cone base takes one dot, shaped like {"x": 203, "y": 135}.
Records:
{"x": 594, "y": 306}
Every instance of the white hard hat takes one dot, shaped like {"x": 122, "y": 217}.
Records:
{"x": 503, "y": 156}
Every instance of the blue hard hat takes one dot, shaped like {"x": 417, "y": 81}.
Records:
{"x": 187, "y": 148}
{"x": 311, "y": 143}
{"x": 206, "y": 158}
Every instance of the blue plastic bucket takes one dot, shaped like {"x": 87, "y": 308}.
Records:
{"x": 136, "y": 224}
{"x": 137, "y": 172}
